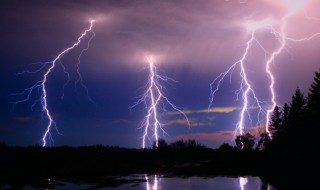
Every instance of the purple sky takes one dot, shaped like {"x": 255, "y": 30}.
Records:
{"x": 192, "y": 42}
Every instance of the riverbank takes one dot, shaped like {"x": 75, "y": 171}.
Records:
{"x": 95, "y": 162}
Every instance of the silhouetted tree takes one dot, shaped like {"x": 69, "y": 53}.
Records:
{"x": 264, "y": 141}
{"x": 192, "y": 144}
{"x": 275, "y": 125}
{"x": 285, "y": 118}
{"x": 296, "y": 130}
{"x": 245, "y": 141}
{"x": 297, "y": 109}
{"x": 181, "y": 144}
{"x": 313, "y": 99}
{"x": 313, "y": 111}
{"x": 225, "y": 146}
{"x": 178, "y": 144}
{"x": 161, "y": 144}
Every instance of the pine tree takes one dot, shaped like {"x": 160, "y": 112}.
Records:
{"x": 313, "y": 110}
{"x": 275, "y": 125}
{"x": 297, "y": 110}
{"x": 313, "y": 99}
{"x": 285, "y": 118}
{"x": 297, "y": 126}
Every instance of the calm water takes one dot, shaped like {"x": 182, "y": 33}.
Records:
{"x": 145, "y": 182}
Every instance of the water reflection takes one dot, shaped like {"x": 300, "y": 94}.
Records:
{"x": 152, "y": 182}
{"x": 158, "y": 182}
{"x": 143, "y": 182}
{"x": 243, "y": 181}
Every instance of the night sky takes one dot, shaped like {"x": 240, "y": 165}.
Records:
{"x": 192, "y": 42}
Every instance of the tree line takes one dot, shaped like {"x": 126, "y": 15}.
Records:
{"x": 293, "y": 126}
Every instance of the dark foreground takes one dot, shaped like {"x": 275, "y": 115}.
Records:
{"x": 95, "y": 162}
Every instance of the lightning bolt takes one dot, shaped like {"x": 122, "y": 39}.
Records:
{"x": 283, "y": 43}
{"x": 41, "y": 85}
{"x": 245, "y": 88}
{"x": 79, "y": 81}
{"x": 154, "y": 99}
{"x": 270, "y": 74}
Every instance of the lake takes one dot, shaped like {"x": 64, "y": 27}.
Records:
{"x": 141, "y": 182}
